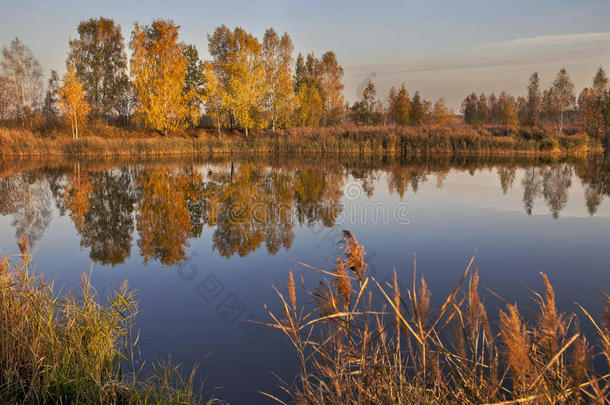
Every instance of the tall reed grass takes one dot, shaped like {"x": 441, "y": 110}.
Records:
{"x": 400, "y": 141}
{"x": 70, "y": 349}
{"x": 365, "y": 342}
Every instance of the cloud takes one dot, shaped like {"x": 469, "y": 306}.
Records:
{"x": 563, "y": 39}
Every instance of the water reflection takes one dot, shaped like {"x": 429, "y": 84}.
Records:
{"x": 247, "y": 205}
{"x": 27, "y": 199}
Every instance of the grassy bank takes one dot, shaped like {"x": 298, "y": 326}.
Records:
{"x": 368, "y": 342}
{"x": 337, "y": 140}
{"x": 71, "y": 349}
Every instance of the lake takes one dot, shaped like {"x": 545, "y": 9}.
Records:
{"x": 203, "y": 242}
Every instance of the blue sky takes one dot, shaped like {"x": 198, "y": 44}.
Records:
{"x": 441, "y": 47}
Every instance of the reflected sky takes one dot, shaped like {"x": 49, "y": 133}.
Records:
{"x": 203, "y": 242}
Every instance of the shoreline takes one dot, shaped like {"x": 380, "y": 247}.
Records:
{"x": 389, "y": 141}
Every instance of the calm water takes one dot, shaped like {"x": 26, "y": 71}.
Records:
{"x": 202, "y": 242}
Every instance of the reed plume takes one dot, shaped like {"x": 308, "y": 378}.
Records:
{"x": 347, "y": 355}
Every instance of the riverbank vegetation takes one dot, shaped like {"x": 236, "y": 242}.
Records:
{"x": 387, "y": 140}
{"x": 256, "y": 88}
{"x": 370, "y": 342}
{"x": 70, "y": 348}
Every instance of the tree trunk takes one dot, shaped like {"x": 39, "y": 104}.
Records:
{"x": 218, "y": 124}
{"x": 76, "y": 125}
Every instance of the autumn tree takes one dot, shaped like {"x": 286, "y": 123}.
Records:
{"x": 483, "y": 111}
{"x": 23, "y": 71}
{"x": 507, "y": 110}
{"x": 159, "y": 68}
{"x": 560, "y": 98}
{"x": 99, "y": 59}
{"x": 441, "y": 115}
{"x": 418, "y": 111}
{"x": 469, "y": 109}
{"x": 400, "y": 106}
{"x": 331, "y": 74}
{"x": 279, "y": 81}
{"x": 534, "y": 101}
{"x": 72, "y": 100}
{"x": 493, "y": 109}
{"x": 239, "y": 67}
{"x": 391, "y": 102}
{"x": 310, "y": 95}
{"x": 214, "y": 97}
{"x": 592, "y": 103}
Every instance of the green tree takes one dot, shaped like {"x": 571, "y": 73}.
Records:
{"x": 194, "y": 81}
{"x": 49, "y": 107}
{"x": 534, "y": 101}
{"x": 100, "y": 61}
{"x": 599, "y": 95}
{"x": 367, "y": 111}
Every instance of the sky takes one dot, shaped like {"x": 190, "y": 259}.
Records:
{"x": 442, "y": 48}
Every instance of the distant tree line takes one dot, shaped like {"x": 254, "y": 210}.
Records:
{"x": 556, "y": 105}
{"x": 248, "y": 85}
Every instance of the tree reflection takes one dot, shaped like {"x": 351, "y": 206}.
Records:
{"x": 507, "y": 177}
{"x": 27, "y": 198}
{"x": 163, "y": 219}
{"x": 244, "y": 206}
{"x": 531, "y": 188}
{"x": 318, "y": 196}
{"x": 107, "y": 226}
{"x": 555, "y": 184}
{"x": 595, "y": 175}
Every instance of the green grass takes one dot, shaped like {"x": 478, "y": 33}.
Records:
{"x": 70, "y": 349}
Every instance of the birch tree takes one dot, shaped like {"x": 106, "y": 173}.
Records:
{"x": 159, "y": 69}
{"x": 72, "y": 100}
{"x": 277, "y": 58}
{"x": 23, "y": 71}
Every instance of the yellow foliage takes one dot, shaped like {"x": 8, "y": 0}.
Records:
{"x": 159, "y": 67}
{"x": 72, "y": 100}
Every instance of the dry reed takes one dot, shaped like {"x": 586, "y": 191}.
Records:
{"x": 396, "y": 350}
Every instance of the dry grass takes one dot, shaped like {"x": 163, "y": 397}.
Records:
{"x": 337, "y": 140}
{"x": 367, "y": 343}
{"x": 71, "y": 349}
